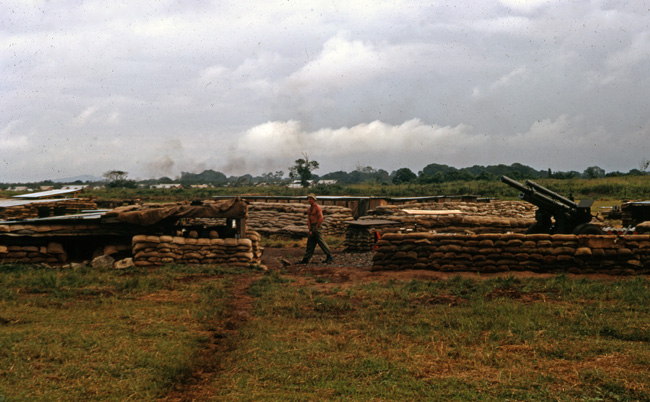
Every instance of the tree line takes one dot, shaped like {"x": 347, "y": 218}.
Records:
{"x": 303, "y": 171}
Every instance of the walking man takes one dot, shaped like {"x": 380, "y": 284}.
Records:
{"x": 314, "y": 222}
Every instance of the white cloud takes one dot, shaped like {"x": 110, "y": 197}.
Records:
{"x": 411, "y": 141}
{"x": 83, "y": 117}
{"x": 518, "y": 74}
{"x": 526, "y": 5}
{"x": 636, "y": 54}
{"x": 10, "y": 140}
{"x": 342, "y": 62}
{"x": 245, "y": 86}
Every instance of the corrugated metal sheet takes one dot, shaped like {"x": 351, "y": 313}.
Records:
{"x": 96, "y": 214}
{"x": 51, "y": 193}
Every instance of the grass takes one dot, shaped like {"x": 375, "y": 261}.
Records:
{"x": 138, "y": 334}
{"x": 607, "y": 188}
{"x": 103, "y": 335}
{"x": 489, "y": 340}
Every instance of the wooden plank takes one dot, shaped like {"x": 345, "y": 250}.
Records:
{"x": 432, "y": 212}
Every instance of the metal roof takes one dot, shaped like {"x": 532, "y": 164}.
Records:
{"x": 90, "y": 215}
{"x": 51, "y": 193}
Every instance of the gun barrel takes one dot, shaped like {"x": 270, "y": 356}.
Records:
{"x": 539, "y": 198}
{"x": 551, "y": 194}
{"x": 515, "y": 184}
{"x": 545, "y": 202}
{"x": 566, "y": 213}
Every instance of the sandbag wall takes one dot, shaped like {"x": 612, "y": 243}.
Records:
{"x": 290, "y": 219}
{"x": 160, "y": 250}
{"x": 514, "y": 252}
{"x": 491, "y": 217}
{"x": 359, "y": 239}
{"x": 42, "y": 209}
{"x": 52, "y": 229}
{"x": 363, "y": 237}
{"x": 32, "y": 243}
{"x": 51, "y": 252}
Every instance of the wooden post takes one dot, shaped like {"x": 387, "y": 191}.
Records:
{"x": 241, "y": 227}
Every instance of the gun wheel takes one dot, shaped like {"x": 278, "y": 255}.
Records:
{"x": 587, "y": 229}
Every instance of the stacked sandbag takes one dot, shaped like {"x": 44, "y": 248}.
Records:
{"x": 468, "y": 217}
{"x": 514, "y": 252}
{"x": 643, "y": 227}
{"x": 359, "y": 239}
{"x": 361, "y": 236}
{"x": 46, "y": 209}
{"x": 42, "y": 228}
{"x": 508, "y": 209}
{"x": 150, "y": 250}
{"x": 33, "y": 254}
{"x": 290, "y": 219}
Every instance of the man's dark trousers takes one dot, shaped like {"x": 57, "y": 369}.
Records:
{"x": 316, "y": 238}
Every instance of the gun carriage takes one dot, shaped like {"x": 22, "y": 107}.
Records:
{"x": 555, "y": 214}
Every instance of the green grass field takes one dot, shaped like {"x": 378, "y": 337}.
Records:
{"x": 217, "y": 334}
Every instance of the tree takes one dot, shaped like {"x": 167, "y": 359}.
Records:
{"x": 404, "y": 175}
{"x": 594, "y": 172}
{"x": 340, "y": 176}
{"x": 273, "y": 177}
{"x": 302, "y": 170}
{"x": 206, "y": 177}
{"x": 241, "y": 181}
{"x": 485, "y": 175}
{"x": 115, "y": 175}
{"x": 437, "y": 177}
{"x": 117, "y": 179}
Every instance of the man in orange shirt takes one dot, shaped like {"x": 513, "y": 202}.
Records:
{"x": 314, "y": 222}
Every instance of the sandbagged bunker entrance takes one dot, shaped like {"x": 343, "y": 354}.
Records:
{"x": 201, "y": 232}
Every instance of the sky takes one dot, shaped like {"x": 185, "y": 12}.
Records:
{"x": 156, "y": 88}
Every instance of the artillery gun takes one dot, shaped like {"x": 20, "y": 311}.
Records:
{"x": 555, "y": 214}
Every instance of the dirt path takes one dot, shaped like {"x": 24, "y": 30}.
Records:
{"x": 222, "y": 339}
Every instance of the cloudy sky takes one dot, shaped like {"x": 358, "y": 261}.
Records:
{"x": 157, "y": 88}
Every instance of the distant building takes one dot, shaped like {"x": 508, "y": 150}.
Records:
{"x": 326, "y": 182}
{"x": 298, "y": 184}
{"x": 19, "y": 188}
{"x": 167, "y": 186}
{"x": 201, "y": 186}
